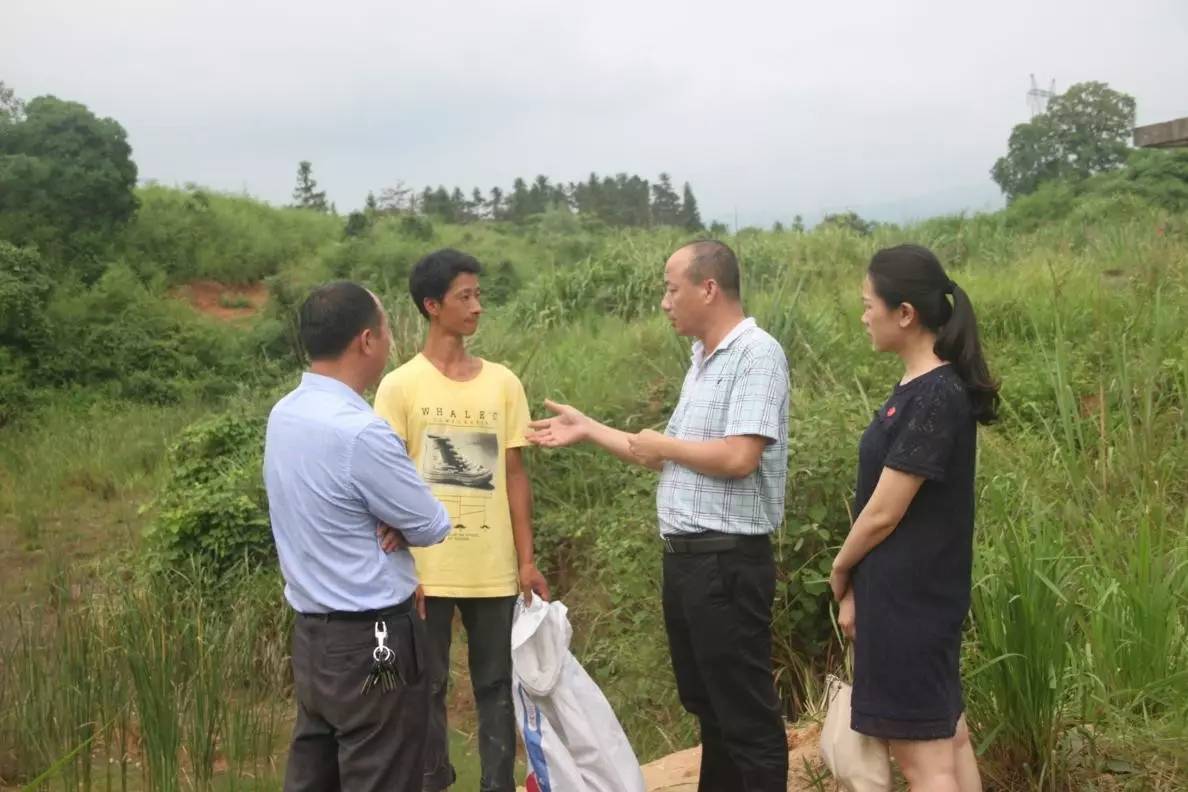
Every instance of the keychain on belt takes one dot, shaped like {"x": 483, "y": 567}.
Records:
{"x": 384, "y": 672}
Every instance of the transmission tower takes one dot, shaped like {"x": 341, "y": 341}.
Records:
{"x": 1037, "y": 98}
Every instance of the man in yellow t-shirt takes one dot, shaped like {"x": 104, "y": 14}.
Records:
{"x": 464, "y": 421}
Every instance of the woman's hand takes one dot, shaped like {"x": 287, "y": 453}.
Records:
{"x": 846, "y": 615}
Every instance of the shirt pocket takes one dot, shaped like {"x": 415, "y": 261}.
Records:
{"x": 709, "y": 409}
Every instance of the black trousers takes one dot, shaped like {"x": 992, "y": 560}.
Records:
{"x": 488, "y": 623}
{"x": 717, "y": 610}
{"x": 345, "y": 739}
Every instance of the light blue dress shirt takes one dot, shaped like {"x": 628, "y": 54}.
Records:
{"x": 334, "y": 469}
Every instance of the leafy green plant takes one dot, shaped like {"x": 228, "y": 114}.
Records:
{"x": 213, "y": 507}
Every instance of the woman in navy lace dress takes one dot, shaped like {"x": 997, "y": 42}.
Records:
{"x": 903, "y": 575}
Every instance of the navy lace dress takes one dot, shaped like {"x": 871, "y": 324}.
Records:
{"x": 912, "y": 591}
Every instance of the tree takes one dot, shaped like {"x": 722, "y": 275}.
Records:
{"x": 666, "y": 204}
{"x": 12, "y": 109}
{"x": 562, "y": 197}
{"x": 1084, "y": 131}
{"x": 439, "y": 204}
{"x": 25, "y": 286}
{"x": 397, "y": 199}
{"x": 475, "y": 207}
{"x": 637, "y": 202}
{"x": 68, "y": 180}
{"x": 690, "y": 217}
{"x": 588, "y": 197}
{"x": 458, "y": 206}
{"x": 539, "y": 195}
{"x": 371, "y": 206}
{"x": 306, "y": 194}
{"x": 496, "y": 203}
{"x": 519, "y": 204}
{"x": 850, "y": 221}
{"x": 798, "y": 224}
{"x": 356, "y": 224}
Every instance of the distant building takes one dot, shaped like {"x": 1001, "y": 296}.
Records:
{"x": 1169, "y": 134}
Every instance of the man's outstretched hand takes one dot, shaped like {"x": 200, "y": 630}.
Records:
{"x": 568, "y": 426}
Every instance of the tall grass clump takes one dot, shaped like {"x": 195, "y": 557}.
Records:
{"x": 1023, "y": 614}
{"x": 170, "y": 677}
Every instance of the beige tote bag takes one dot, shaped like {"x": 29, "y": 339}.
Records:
{"x": 859, "y": 763}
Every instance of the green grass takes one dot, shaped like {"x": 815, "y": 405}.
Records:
{"x": 1075, "y": 668}
{"x": 73, "y": 477}
{"x": 235, "y": 301}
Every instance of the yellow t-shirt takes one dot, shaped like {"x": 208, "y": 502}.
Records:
{"x": 457, "y": 434}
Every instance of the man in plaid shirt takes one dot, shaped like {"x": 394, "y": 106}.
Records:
{"x": 723, "y": 464}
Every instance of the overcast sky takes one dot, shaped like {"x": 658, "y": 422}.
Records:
{"x": 894, "y": 109}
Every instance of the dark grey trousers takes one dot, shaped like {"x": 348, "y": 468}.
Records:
{"x": 488, "y": 622}
{"x": 346, "y": 739}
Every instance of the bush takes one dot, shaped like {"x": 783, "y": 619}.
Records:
{"x": 416, "y": 227}
{"x": 213, "y": 508}
{"x": 121, "y": 335}
{"x": 15, "y": 396}
{"x": 195, "y": 233}
{"x": 24, "y": 291}
{"x": 1050, "y": 203}
{"x": 1160, "y": 177}
{"x": 615, "y": 282}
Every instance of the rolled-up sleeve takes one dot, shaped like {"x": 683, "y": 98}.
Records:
{"x": 388, "y": 482}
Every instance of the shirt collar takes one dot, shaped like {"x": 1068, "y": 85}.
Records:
{"x": 699, "y": 357}
{"x": 320, "y": 382}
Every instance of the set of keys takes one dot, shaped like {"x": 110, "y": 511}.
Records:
{"x": 385, "y": 674}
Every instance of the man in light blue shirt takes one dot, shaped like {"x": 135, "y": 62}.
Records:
{"x": 346, "y": 503}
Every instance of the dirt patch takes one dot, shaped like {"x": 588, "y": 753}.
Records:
{"x": 678, "y": 772}
{"x": 223, "y": 301}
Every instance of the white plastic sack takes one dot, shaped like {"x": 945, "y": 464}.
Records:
{"x": 573, "y": 740}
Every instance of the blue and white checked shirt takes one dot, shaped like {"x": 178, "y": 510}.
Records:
{"x": 333, "y": 469}
{"x": 741, "y": 388}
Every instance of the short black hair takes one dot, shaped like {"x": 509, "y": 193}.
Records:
{"x": 430, "y": 279}
{"x": 333, "y": 315}
{"x": 709, "y": 258}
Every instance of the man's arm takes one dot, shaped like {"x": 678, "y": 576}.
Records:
{"x": 388, "y": 482}
{"x": 758, "y": 403}
{"x": 736, "y": 456}
{"x": 519, "y": 499}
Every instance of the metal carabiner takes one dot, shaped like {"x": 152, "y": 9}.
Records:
{"x": 382, "y": 653}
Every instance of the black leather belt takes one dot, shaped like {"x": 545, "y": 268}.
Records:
{"x": 710, "y": 542}
{"x": 399, "y": 609}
